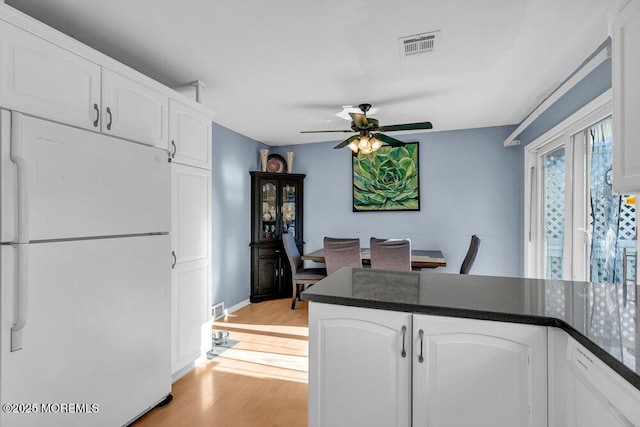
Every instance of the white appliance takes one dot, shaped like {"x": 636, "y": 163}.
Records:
{"x": 85, "y": 276}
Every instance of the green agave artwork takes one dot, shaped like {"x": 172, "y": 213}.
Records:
{"x": 387, "y": 179}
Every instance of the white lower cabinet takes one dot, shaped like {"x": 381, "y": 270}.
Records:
{"x": 191, "y": 266}
{"x": 478, "y": 373}
{"x": 471, "y": 373}
{"x": 358, "y": 375}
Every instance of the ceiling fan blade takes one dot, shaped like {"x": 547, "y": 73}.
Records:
{"x": 322, "y": 131}
{"x": 407, "y": 126}
{"x": 387, "y": 139}
{"x": 360, "y": 120}
{"x": 346, "y": 142}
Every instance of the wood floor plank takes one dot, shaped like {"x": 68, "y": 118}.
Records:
{"x": 261, "y": 381}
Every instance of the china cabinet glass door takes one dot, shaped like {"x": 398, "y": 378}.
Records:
{"x": 268, "y": 201}
{"x": 289, "y": 208}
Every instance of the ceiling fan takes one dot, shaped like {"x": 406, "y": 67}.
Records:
{"x": 369, "y": 137}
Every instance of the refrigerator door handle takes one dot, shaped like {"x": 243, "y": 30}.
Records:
{"x": 22, "y": 292}
{"x": 16, "y": 156}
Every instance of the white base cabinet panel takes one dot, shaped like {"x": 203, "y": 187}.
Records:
{"x": 357, "y": 374}
{"x": 478, "y": 373}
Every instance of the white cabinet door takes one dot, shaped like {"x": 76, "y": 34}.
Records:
{"x": 478, "y": 373}
{"x": 48, "y": 81}
{"x": 189, "y": 135}
{"x": 191, "y": 242}
{"x": 134, "y": 111}
{"x": 358, "y": 375}
{"x": 626, "y": 95}
{"x": 189, "y": 308}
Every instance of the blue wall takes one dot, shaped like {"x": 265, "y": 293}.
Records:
{"x": 589, "y": 88}
{"x": 234, "y": 155}
{"x": 468, "y": 185}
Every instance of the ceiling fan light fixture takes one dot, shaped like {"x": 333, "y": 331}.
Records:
{"x": 375, "y": 143}
{"x": 353, "y": 146}
{"x": 364, "y": 142}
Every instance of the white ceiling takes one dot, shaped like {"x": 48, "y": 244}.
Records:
{"x": 276, "y": 67}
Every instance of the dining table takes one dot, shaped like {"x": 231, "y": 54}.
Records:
{"x": 420, "y": 258}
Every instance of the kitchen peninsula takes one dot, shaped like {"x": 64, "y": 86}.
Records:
{"x": 435, "y": 349}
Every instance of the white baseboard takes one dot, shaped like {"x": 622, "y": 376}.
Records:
{"x": 182, "y": 372}
{"x": 238, "y": 306}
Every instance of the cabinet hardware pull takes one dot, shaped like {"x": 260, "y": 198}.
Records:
{"x": 175, "y": 149}
{"x": 421, "y": 334}
{"x": 404, "y": 334}
{"x": 110, "y": 118}
{"x": 95, "y": 123}
{"x": 175, "y": 259}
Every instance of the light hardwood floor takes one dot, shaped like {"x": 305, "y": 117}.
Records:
{"x": 261, "y": 381}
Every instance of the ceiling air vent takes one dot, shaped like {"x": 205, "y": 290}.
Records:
{"x": 419, "y": 44}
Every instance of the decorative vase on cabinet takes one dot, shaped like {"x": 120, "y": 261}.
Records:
{"x": 276, "y": 208}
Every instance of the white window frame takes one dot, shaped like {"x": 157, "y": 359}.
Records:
{"x": 575, "y": 238}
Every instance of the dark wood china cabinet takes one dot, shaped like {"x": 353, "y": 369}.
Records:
{"x": 276, "y": 208}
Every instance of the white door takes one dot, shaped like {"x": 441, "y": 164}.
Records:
{"x": 79, "y": 183}
{"x": 626, "y": 86}
{"x": 97, "y": 331}
{"x": 191, "y": 246}
{"x": 189, "y": 135}
{"x": 134, "y": 111}
{"x": 478, "y": 373}
{"x": 359, "y": 374}
{"x": 43, "y": 79}
{"x": 577, "y": 227}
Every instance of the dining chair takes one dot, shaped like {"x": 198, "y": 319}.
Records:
{"x": 390, "y": 254}
{"x": 471, "y": 255}
{"x": 340, "y": 253}
{"x": 300, "y": 276}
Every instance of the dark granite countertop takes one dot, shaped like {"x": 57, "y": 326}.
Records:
{"x": 600, "y": 316}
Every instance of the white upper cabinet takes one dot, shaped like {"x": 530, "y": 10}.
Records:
{"x": 626, "y": 93}
{"x": 189, "y": 135}
{"x": 134, "y": 111}
{"x": 43, "y": 79}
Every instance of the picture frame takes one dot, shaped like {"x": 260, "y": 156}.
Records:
{"x": 387, "y": 179}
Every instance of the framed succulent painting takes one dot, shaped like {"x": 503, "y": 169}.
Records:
{"x": 387, "y": 179}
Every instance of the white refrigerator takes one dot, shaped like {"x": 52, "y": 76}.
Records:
{"x": 85, "y": 270}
